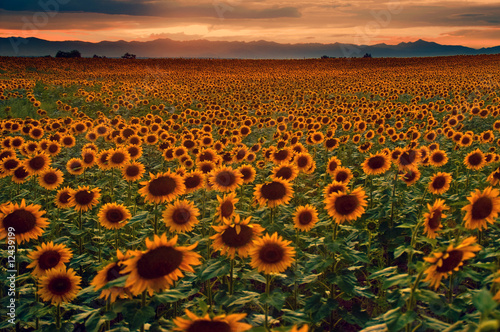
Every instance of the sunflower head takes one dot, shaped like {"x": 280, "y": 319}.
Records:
{"x": 24, "y": 220}
{"x": 343, "y": 206}
{"x": 49, "y": 256}
{"x": 273, "y": 193}
{"x": 181, "y": 216}
{"x": 222, "y": 323}
{"x": 482, "y": 209}
{"x": 59, "y": 285}
{"x": 272, "y": 254}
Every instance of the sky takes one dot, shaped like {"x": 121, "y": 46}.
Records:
{"x": 363, "y": 22}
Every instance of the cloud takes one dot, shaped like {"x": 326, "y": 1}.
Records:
{"x": 230, "y": 9}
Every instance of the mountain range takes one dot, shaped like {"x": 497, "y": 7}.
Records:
{"x": 168, "y": 48}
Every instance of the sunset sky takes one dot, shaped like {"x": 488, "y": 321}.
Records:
{"x": 469, "y": 23}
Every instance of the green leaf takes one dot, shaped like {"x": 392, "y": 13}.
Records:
{"x": 247, "y": 297}
{"x": 484, "y": 302}
{"x": 118, "y": 282}
{"x": 215, "y": 269}
{"x": 434, "y": 324}
{"x": 170, "y": 296}
{"x": 384, "y": 273}
{"x": 276, "y": 299}
{"x": 399, "y": 279}
{"x": 141, "y": 316}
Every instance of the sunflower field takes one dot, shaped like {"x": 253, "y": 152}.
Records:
{"x": 250, "y": 195}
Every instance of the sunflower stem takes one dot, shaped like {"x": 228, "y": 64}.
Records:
{"x": 80, "y": 227}
{"x": 112, "y": 183}
{"x": 58, "y": 316}
{"x": 450, "y": 289}
{"x": 129, "y": 193}
{"x": 117, "y": 236}
{"x": 266, "y": 305}
{"x": 231, "y": 280}
{"x": 155, "y": 219}
{"x": 410, "y": 304}
{"x": 143, "y": 304}
{"x": 99, "y": 240}
{"x": 335, "y": 231}
{"x": 394, "y": 186}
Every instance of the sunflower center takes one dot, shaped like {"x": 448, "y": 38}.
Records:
{"x": 117, "y": 158}
{"x": 475, "y": 159}
{"x": 21, "y": 173}
{"x": 410, "y": 176}
{"x": 113, "y": 273}
{"x": 226, "y": 209}
{"x": 235, "y": 240}
{"x": 273, "y": 191}
{"x": 332, "y": 165}
{"x": 208, "y": 326}
{"x": 75, "y": 166}
{"x": 64, "y": 197}
{"x": 305, "y": 218}
{"x": 225, "y": 178}
{"x": 21, "y": 220}
{"x": 281, "y": 155}
{"x": 181, "y": 216}
{"x": 408, "y": 157}
{"x": 37, "y": 163}
{"x": 271, "y": 253}
{"x": 114, "y": 216}
{"x": 439, "y": 182}
{"x": 376, "y": 162}
{"x": 335, "y": 189}
{"x": 159, "y": 262}
{"x": 133, "y": 151}
{"x": 341, "y": 176}
{"x": 11, "y": 164}
{"x": 451, "y": 262}
{"x": 435, "y": 220}
{"x": 284, "y": 172}
{"x": 59, "y": 285}
{"x": 132, "y": 171}
{"x": 88, "y": 158}
{"x": 302, "y": 162}
{"x": 84, "y": 197}
{"x": 53, "y": 148}
{"x": 50, "y": 178}
{"x": 482, "y": 208}
{"x": 192, "y": 181}
{"x": 162, "y": 186}
{"x": 247, "y": 173}
{"x": 346, "y": 204}
{"x": 49, "y": 259}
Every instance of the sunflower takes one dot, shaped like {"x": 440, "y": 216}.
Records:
{"x": 342, "y": 174}
{"x": 432, "y": 222}
{"x": 411, "y": 176}
{"x": 236, "y": 236}
{"x": 483, "y": 207}
{"x": 26, "y": 220}
{"x": 111, "y": 272}
{"x": 475, "y": 160}
{"x": 332, "y": 165}
{"x": 9, "y": 164}
{"x": 248, "y": 173}
{"x": 438, "y": 158}
{"x": 305, "y": 217}
{"x": 68, "y": 141}
{"x": 113, "y": 215}
{"x": 222, "y": 323}
{"x": 20, "y": 175}
{"x": 103, "y": 160}
{"x": 408, "y": 159}
{"x": 286, "y": 171}
{"x": 443, "y": 263}
{"x": 304, "y": 161}
{"x": 439, "y": 183}
{"x": 59, "y": 285}
{"x": 226, "y": 206}
{"x": 273, "y": 193}
{"x": 494, "y": 177}
{"x": 62, "y": 197}
{"x": 225, "y": 179}
{"x": 162, "y": 187}
{"x": 181, "y": 216}
{"x": 118, "y": 157}
{"x": 53, "y": 148}
{"x": 89, "y": 157}
{"x": 281, "y": 155}
{"x": 37, "y": 164}
{"x": 75, "y": 166}
{"x": 334, "y": 187}
{"x": 193, "y": 181}
{"x": 51, "y": 178}
{"x": 376, "y": 164}
{"x": 83, "y": 198}
{"x": 343, "y": 206}
{"x": 133, "y": 171}
{"x": 160, "y": 265}
{"x": 49, "y": 256}
{"x": 272, "y": 254}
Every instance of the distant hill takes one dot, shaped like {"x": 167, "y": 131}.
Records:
{"x": 167, "y": 48}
